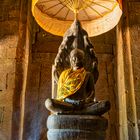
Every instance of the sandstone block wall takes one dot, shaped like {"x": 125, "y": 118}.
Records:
{"x": 9, "y": 17}
{"x": 134, "y": 20}
{"x": 41, "y": 56}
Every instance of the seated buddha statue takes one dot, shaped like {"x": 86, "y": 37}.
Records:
{"x": 75, "y": 90}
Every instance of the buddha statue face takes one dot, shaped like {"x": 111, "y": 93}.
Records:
{"x": 76, "y": 59}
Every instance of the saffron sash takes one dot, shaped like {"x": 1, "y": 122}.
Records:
{"x": 69, "y": 82}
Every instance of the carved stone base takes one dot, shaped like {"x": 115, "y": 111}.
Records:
{"x": 76, "y": 127}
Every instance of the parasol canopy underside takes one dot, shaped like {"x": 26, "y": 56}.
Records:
{"x": 96, "y": 16}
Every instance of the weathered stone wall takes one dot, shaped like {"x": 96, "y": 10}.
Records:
{"x": 134, "y": 21}
{"x": 9, "y": 18}
{"x": 38, "y": 86}
{"x": 13, "y": 66}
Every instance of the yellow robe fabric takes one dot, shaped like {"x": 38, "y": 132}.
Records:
{"x": 69, "y": 82}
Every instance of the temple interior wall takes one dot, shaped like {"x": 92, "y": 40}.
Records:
{"x": 9, "y": 19}
{"x": 22, "y": 111}
{"x": 134, "y": 21}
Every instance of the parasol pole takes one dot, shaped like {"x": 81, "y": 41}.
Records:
{"x": 76, "y": 15}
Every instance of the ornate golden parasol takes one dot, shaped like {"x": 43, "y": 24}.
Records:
{"x": 96, "y": 16}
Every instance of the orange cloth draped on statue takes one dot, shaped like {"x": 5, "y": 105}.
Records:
{"x": 69, "y": 82}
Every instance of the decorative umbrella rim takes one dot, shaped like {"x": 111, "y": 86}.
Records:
{"x": 93, "y": 27}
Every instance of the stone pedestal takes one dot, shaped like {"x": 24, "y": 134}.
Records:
{"x": 76, "y": 127}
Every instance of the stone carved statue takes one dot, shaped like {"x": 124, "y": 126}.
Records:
{"x": 75, "y": 37}
{"x": 75, "y": 72}
{"x": 75, "y": 94}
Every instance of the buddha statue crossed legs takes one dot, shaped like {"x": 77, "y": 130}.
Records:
{"x": 75, "y": 90}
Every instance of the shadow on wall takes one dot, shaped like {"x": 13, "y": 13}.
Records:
{"x": 3, "y": 136}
